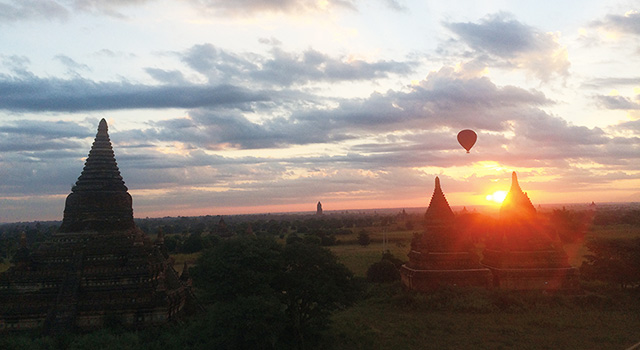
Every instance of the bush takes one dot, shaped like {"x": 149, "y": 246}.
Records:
{"x": 383, "y": 271}
{"x": 328, "y": 240}
{"x": 363, "y": 238}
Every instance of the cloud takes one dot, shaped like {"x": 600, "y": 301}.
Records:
{"x": 633, "y": 126}
{"x": 287, "y": 68}
{"x": 516, "y": 44}
{"x": 109, "y": 8}
{"x": 611, "y": 82}
{"x": 249, "y": 7}
{"x": 173, "y": 77}
{"x": 38, "y": 94}
{"x": 445, "y": 99}
{"x": 628, "y": 23}
{"x": 20, "y": 10}
{"x": 616, "y": 102}
{"x": 72, "y": 66}
{"x": 395, "y": 5}
{"x": 52, "y": 129}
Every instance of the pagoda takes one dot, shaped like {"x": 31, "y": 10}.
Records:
{"x": 442, "y": 255}
{"x": 523, "y": 255}
{"x": 98, "y": 268}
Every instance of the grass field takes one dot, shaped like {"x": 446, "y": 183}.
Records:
{"x": 398, "y": 324}
{"x": 391, "y": 318}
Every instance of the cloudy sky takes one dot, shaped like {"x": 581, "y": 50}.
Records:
{"x": 220, "y": 107}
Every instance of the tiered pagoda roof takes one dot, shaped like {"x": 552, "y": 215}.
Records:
{"x": 99, "y": 200}
{"x": 439, "y": 212}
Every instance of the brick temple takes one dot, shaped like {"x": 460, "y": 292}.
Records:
{"x": 522, "y": 255}
{"x": 98, "y": 268}
{"x": 442, "y": 255}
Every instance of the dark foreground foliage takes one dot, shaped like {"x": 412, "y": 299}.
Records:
{"x": 390, "y": 317}
{"x": 266, "y": 296}
{"x": 616, "y": 261}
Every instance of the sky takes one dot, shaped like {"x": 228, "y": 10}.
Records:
{"x": 252, "y": 106}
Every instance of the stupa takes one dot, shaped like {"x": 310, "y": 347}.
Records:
{"x": 522, "y": 255}
{"x": 442, "y": 256}
{"x": 98, "y": 268}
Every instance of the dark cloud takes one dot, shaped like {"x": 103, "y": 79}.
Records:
{"x": 37, "y": 94}
{"x": 616, "y": 102}
{"x": 628, "y": 23}
{"x": 20, "y": 144}
{"x": 51, "y": 129}
{"x": 517, "y": 44}
{"x": 173, "y": 77}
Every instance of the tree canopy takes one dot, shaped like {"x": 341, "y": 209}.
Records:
{"x": 296, "y": 287}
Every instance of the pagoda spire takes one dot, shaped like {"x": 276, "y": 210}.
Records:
{"x": 439, "y": 210}
{"x": 517, "y": 202}
{"x": 99, "y": 200}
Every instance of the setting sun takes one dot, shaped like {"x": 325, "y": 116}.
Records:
{"x": 497, "y": 196}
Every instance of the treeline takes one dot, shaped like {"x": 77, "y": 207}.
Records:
{"x": 35, "y": 232}
{"x": 193, "y": 234}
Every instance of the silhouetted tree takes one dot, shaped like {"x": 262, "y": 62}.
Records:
{"x": 363, "y": 238}
{"x": 383, "y": 271}
{"x": 615, "y": 261}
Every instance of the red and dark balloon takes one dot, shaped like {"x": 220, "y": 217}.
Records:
{"x": 467, "y": 138}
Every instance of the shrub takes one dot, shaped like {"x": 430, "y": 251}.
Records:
{"x": 383, "y": 271}
{"x": 363, "y": 238}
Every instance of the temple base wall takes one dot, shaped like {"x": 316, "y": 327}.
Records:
{"x": 428, "y": 280}
{"x": 543, "y": 279}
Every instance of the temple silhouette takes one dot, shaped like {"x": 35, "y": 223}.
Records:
{"x": 441, "y": 255}
{"x": 98, "y": 268}
{"x": 523, "y": 255}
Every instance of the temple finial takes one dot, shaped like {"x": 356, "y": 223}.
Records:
{"x": 102, "y": 127}
{"x": 437, "y": 182}
{"x": 515, "y": 186}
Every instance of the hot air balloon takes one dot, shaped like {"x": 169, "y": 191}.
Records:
{"x": 467, "y": 138}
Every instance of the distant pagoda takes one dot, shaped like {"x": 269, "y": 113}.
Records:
{"x": 319, "y": 209}
{"x": 522, "y": 255}
{"x": 98, "y": 267}
{"x": 442, "y": 256}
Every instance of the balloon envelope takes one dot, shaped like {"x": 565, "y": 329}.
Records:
{"x": 467, "y": 138}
